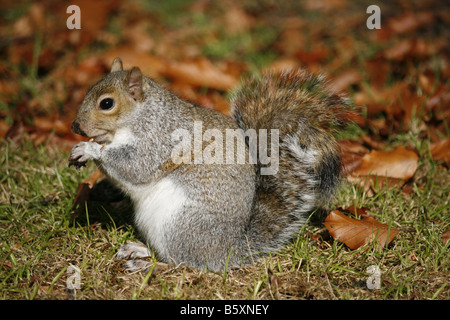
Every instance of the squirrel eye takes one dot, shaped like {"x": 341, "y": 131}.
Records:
{"x": 106, "y": 104}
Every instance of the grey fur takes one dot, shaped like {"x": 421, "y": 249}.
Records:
{"x": 231, "y": 214}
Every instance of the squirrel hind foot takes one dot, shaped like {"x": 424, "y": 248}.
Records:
{"x": 132, "y": 250}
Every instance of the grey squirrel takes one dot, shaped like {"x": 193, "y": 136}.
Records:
{"x": 214, "y": 214}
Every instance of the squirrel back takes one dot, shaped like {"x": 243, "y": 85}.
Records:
{"x": 306, "y": 113}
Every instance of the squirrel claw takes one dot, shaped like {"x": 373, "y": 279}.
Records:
{"x": 77, "y": 164}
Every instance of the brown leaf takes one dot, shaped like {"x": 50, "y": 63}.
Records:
{"x": 4, "y": 128}
{"x": 400, "y": 50}
{"x": 48, "y": 124}
{"x": 83, "y": 192}
{"x": 200, "y": 72}
{"x": 384, "y": 169}
{"x": 356, "y": 233}
{"x": 440, "y": 150}
{"x": 351, "y": 154}
{"x": 26, "y": 25}
{"x": 439, "y": 104}
{"x": 215, "y": 101}
{"x": 372, "y": 143}
{"x": 352, "y": 146}
{"x": 406, "y": 104}
{"x": 399, "y": 163}
{"x": 378, "y": 70}
{"x": 445, "y": 237}
{"x": 138, "y": 36}
{"x": 345, "y": 79}
{"x": 237, "y": 20}
{"x": 410, "y": 21}
{"x": 16, "y": 132}
{"x": 413, "y": 48}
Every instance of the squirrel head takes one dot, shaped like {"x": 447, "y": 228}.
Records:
{"x": 109, "y": 102}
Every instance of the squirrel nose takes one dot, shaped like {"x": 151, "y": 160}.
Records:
{"x": 76, "y": 129}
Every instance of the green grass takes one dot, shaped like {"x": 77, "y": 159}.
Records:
{"x": 40, "y": 238}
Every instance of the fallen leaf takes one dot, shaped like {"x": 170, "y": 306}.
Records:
{"x": 48, "y": 124}
{"x": 427, "y": 81}
{"x": 351, "y": 154}
{"x": 215, "y": 101}
{"x": 356, "y": 233}
{"x": 352, "y": 146}
{"x": 16, "y": 132}
{"x": 445, "y": 237}
{"x": 410, "y": 21}
{"x": 400, "y": 50}
{"x": 439, "y": 104}
{"x": 4, "y": 128}
{"x": 372, "y": 143}
{"x": 237, "y": 20}
{"x": 345, "y": 79}
{"x": 200, "y": 72}
{"x": 139, "y": 37}
{"x": 378, "y": 70}
{"x": 413, "y": 48}
{"x": 406, "y": 104}
{"x": 83, "y": 191}
{"x": 440, "y": 150}
{"x": 27, "y": 25}
{"x": 384, "y": 169}
{"x": 399, "y": 163}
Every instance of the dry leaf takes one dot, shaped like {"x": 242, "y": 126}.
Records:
{"x": 351, "y": 154}
{"x": 399, "y": 163}
{"x": 345, "y": 79}
{"x": 83, "y": 191}
{"x": 410, "y": 21}
{"x": 384, "y": 169}
{"x": 445, "y": 237}
{"x": 237, "y": 20}
{"x": 138, "y": 36}
{"x": 372, "y": 143}
{"x": 356, "y": 233}
{"x": 200, "y": 72}
{"x": 440, "y": 150}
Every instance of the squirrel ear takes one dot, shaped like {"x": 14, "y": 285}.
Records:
{"x": 135, "y": 83}
{"x": 117, "y": 65}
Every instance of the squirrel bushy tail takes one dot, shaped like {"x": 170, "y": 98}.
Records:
{"x": 306, "y": 113}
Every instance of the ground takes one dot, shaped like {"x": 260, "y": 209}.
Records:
{"x": 397, "y": 77}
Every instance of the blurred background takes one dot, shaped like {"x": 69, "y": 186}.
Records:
{"x": 397, "y": 75}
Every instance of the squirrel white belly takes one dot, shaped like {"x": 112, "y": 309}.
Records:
{"x": 212, "y": 210}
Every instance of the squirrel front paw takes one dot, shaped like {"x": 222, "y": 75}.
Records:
{"x": 84, "y": 151}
